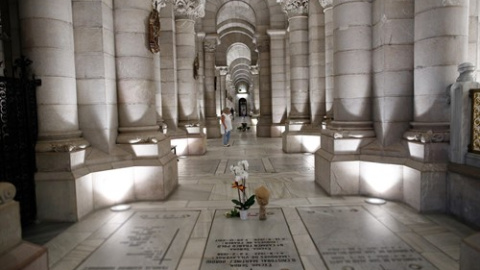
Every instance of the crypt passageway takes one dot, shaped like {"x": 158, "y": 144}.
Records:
{"x": 361, "y": 98}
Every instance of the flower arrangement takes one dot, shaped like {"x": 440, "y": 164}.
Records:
{"x": 241, "y": 175}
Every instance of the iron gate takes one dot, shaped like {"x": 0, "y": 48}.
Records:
{"x": 18, "y": 134}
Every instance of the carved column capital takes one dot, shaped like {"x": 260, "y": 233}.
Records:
{"x": 295, "y": 7}
{"x": 211, "y": 42}
{"x": 223, "y": 70}
{"x": 159, "y": 4}
{"x": 467, "y": 72}
{"x": 254, "y": 70}
{"x": 326, "y": 3}
{"x": 263, "y": 44}
{"x": 7, "y": 192}
{"x": 189, "y": 9}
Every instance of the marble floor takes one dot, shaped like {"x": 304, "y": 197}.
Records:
{"x": 205, "y": 186}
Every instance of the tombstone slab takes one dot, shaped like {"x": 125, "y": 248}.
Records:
{"x": 251, "y": 244}
{"x": 350, "y": 238}
{"x": 149, "y": 240}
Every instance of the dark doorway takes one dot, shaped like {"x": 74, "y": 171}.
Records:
{"x": 242, "y": 107}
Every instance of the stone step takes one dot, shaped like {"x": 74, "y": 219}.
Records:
{"x": 25, "y": 256}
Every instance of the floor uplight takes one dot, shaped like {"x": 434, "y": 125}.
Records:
{"x": 376, "y": 201}
{"x": 120, "y": 207}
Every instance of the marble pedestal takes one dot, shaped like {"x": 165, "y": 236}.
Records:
{"x": 14, "y": 253}
{"x": 133, "y": 172}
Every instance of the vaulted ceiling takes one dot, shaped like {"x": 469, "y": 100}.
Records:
{"x": 239, "y": 24}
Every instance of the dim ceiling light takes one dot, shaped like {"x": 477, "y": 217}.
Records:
{"x": 376, "y": 201}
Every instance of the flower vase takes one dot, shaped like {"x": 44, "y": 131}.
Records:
{"x": 243, "y": 214}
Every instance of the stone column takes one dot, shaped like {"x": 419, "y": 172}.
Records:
{"x": 200, "y": 74}
{"x": 474, "y": 33}
{"x": 137, "y": 78}
{"x": 278, "y": 69}
{"x": 95, "y": 69}
{"x": 265, "y": 93}
{"x": 352, "y": 35}
{"x": 186, "y": 12}
{"x": 223, "y": 86}
{"x": 316, "y": 43}
{"x": 392, "y": 101}
{"x": 297, "y": 12}
{"x": 329, "y": 78}
{"x": 211, "y": 120}
{"x": 53, "y": 57}
{"x": 435, "y": 69}
{"x": 168, "y": 68}
{"x": 343, "y": 138}
{"x": 255, "y": 90}
{"x": 439, "y": 46}
{"x": 218, "y": 98}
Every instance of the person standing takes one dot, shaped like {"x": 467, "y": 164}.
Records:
{"x": 226, "y": 126}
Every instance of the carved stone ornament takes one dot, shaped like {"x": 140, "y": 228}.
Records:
{"x": 467, "y": 72}
{"x": 263, "y": 45}
{"x": 154, "y": 30}
{"x": 427, "y": 136}
{"x": 326, "y": 3}
{"x": 7, "y": 192}
{"x": 189, "y": 9}
{"x": 210, "y": 45}
{"x": 295, "y": 7}
{"x": 143, "y": 135}
{"x": 69, "y": 145}
{"x": 159, "y": 4}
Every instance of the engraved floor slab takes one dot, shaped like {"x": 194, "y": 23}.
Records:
{"x": 152, "y": 240}
{"x": 255, "y": 165}
{"x": 349, "y": 237}
{"x": 251, "y": 244}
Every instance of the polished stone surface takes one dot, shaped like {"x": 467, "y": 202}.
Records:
{"x": 251, "y": 244}
{"x": 349, "y": 237}
{"x": 205, "y": 186}
{"x": 149, "y": 239}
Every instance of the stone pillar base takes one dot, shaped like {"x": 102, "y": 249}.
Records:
{"x": 337, "y": 175}
{"x": 425, "y": 186}
{"x": 301, "y": 141}
{"x": 190, "y": 144}
{"x": 213, "y": 128}
{"x": 134, "y": 172}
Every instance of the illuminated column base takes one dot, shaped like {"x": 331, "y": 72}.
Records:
{"x": 190, "y": 144}
{"x": 212, "y": 127}
{"x": 301, "y": 141}
{"x": 342, "y": 169}
{"x": 70, "y": 185}
{"x": 337, "y": 164}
